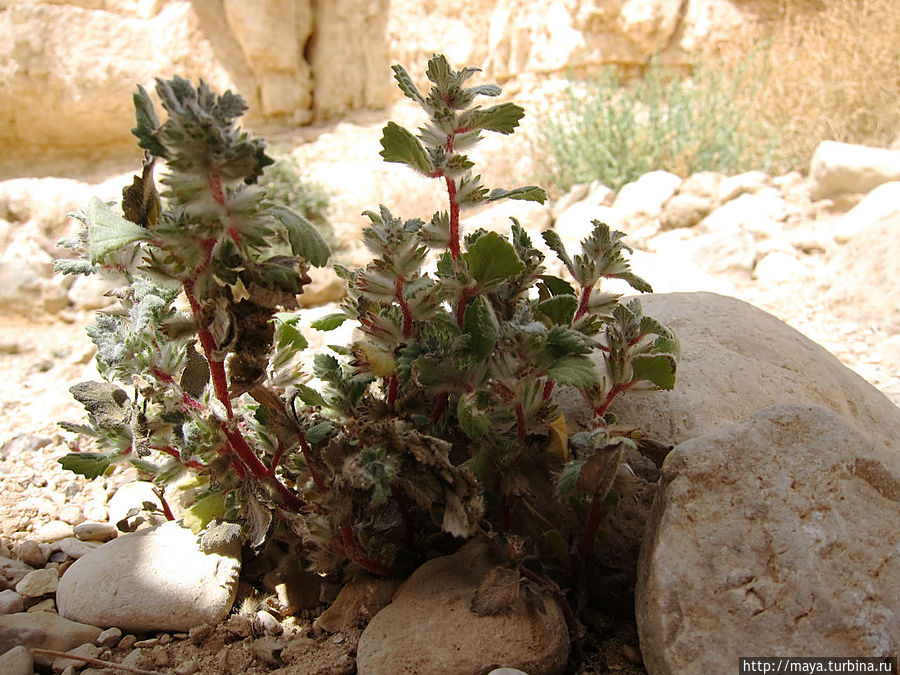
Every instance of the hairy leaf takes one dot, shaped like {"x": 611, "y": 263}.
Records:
{"x": 555, "y": 244}
{"x": 108, "y": 404}
{"x": 305, "y": 239}
{"x": 560, "y": 309}
{"x": 529, "y": 193}
{"x": 401, "y": 146}
{"x": 474, "y": 422}
{"x": 659, "y": 369}
{"x": 88, "y": 464}
{"x": 575, "y": 370}
{"x": 502, "y": 118}
{"x": 404, "y": 81}
{"x": 480, "y": 323}
{"x": 329, "y": 322}
{"x": 66, "y": 266}
{"x": 108, "y": 231}
{"x": 147, "y": 124}
{"x": 492, "y": 258}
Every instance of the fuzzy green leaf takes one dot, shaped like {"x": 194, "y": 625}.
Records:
{"x": 401, "y": 146}
{"x": 575, "y": 370}
{"x": 319, "y": 432}
{"x": 473, "y": 422}
{"x": 569, "y": 477}
{"x": 666, "y": 341}
{"x": 310, "y": 396}
{"x": 108, "y": 231}
{"x": 555, "y": 244}
{"x": 636, "y": 282}
{"x": 66, "y": 266}
{"x": 530, "y": 193}
{"x": 557, "y": 286}
{"x": 329, "y": 322}
{"x": 492, "y": 258}
{"x": 656, "y": 368}
{"x": 287, "y": 335}
{"x": 305, "y": 239}
{"x": 407, "y": 86}
{"x": 147, "y": 124}
{"x": 502, "y": 118}
{"x": 88, "y": 464}
{"x": 480, "y": 323}
{"x": 560, "y": 309}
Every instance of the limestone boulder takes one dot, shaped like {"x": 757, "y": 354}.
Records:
{"x": 776, "y": 535}
{"x": 838, "y": 168}
{"x": 154, "y": 579}
{"x": 737, "y": 360}
{"x": 430, "y": 626}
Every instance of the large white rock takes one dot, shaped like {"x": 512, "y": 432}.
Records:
{"x": 430, "y": 628}
{"x": 776, "y": 536}
{"x": 154, "y": 579}
{"x": 736, "y": 360}
{"x": 843, "y": 167}
{"x": 881, "y": 205}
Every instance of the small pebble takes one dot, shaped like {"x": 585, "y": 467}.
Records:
{"x": 96, "y": 513}
{"x": 109, "y": 638}
{"x": 54, "y": 531}
{"x": 264, "y": 622}
{"x": 11, "y": 602}
{"x": 149, "y": 642}
{"x": 93, "y": 531}
{"x": 38, "y": 583}
{"x": 46, "y": 605}
{"x": 75, "y": 548}
{"x": 198, "y": 634}
{"x": 187, "y": 668}
{"x": 165, "y": 639}
{"x": 631, "y": 654}
{"x": 127, "y": 642}
{"x": 61, "y": 663}
{"x": 4, "y": 550}
{"x": 32, "y": 553}
{"x": 71, "y": 514}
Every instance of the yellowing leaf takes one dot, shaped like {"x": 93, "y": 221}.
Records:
{"x": 558, "y": 444}
{"x": 383, "y": 363}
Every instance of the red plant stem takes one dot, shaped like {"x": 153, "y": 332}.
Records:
{"x": 439, "y": 407}
{"x": 393, "y": 388}
{"x": 463, "y": 303}
{"x": 615, "y": 391}
{"x": 407, "y": 317}
{"x": 307, "y": 455}
{"x": 348, "y": 548}
{"x": 548, "y": 389}
{"x": 454, "y": 218}
{"x": 215, "y": 186}
{"x": 583, "y": 303}
{"x": 587, "y": 537}
{"x": 167, "y": 511}
{"x": 276, "y": 458}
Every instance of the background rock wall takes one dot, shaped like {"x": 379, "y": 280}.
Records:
{"x": 67, "y": 69}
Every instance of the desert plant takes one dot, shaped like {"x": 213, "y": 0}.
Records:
{"x": 614, "y": 132}
{"x": 438, "y": 424}
{"x": 285, "y": 183}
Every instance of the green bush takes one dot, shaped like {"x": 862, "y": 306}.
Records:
{"x": 615, "y": 133}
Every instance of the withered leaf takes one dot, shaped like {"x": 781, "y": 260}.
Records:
{"x": 498, "y": 590}
{"x": 599, "y": 472}
{"x": 140, "y": 200}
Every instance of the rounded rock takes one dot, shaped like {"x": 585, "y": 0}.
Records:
{"x": 154, "y": 579}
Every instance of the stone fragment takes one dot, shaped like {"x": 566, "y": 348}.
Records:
{"x": 881, "y": 205}
{"x": 32, "y": 553}
{"x": 749, "y": 182}
{"x": 736, "y": 360}
{"x": 94, "y": 531}
{"x": 17, "y": 661}
{"x": 430, "y": 628}
{"x": 23, "y": 445}
{"x": 109, "y": 638}
{"x": 12, "y": 571}
{"x": 38, "y": 583}
{"x": 45, "y": 605}
{"x": 643, "y": 199}
{"x": 76, "y": 548}
{"x": 11, "y": 602}
{"x": 776, "y": 535}
{"x": 356, "y": 603}
{"x": 71, "y": 514}
{"x": 44, "y": 630}
{"x": 60, "y": 663}
{"x": 846, "y": 168}
{"x": 54, "y": 531}
{"x": 154, "y": 579}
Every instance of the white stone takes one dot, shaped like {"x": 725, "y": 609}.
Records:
{"x": 643, "y": 199}
{"x": 76, "y": 548}
{"x": 776, "y": 535}
{"x": 777, "y": 267}
{"x": 843, "y": 167}
{"x": 743, "y": 183}
{"x": 760, "y": 213}
{"x": 881, "y": 205}
{"x": 38, "y": 583}
{"x": 132, "y": 496}
{"x": 11, "y": 602}
{"x": 45, "y": 630}
{"x": 54, "y": 531}
{"x": 32, "y": 553}
{"x": 94, "y": 531}
{"x": 154, "y": 579}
